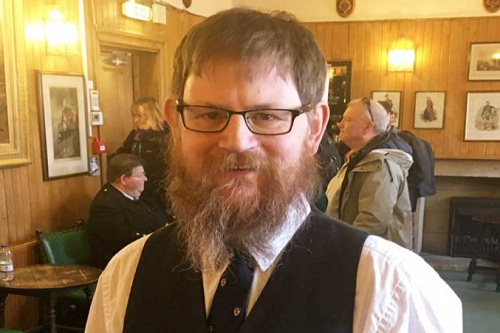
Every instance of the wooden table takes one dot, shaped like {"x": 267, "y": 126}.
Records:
{"x": 47, "y": 282}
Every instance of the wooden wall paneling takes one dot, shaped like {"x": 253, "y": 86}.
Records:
{"x": 358, "y": 74}
{"x": 441, "y": 63}
{"x": 406, "y": 117}
{"x": 332, "y": 42}
{"x": 385, "y": 45}
{"x": 11, "y": 208}
{"x": 376, "y": 56}
{"x": 392, "y": 76}
{"x": 320, "y": 37}
{"x": 444, "y": 80}
{"x": 4, "y": 229}
{"x": 341, "y": 37}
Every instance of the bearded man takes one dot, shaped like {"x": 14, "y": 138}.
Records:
{"x": 248, "y": 253}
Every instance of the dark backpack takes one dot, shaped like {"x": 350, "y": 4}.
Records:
{"x": 421, "y": 181}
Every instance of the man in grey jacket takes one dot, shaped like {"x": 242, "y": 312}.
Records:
{"x": 371, "y": 191}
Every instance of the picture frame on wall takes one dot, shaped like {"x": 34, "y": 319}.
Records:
{"x": 482, "y": 121}
{"x": 429, "y": 109}
{"x": 392, "y": 100}
{"x": 484, "y": 62}
{"x": 15, "y": 129}
{"x": 63, "y": 123}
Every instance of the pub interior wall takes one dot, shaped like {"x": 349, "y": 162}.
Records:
{"x": 27, "y": 202}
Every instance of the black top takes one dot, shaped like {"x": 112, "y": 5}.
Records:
{"x": 116, "y": 221}
{"x": 312, "y": 288}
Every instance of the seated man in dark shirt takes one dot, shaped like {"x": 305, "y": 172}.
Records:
{"x": 118, "y": 213}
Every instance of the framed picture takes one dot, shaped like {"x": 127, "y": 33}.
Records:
{"x": 482, "y": 122}
{"x": 391, "y": 101}
{"x": 14, "y": 109}
{"x": 62, "y": 101}
{"x": 429, "y": 109}
{"x": 484, "y": 62}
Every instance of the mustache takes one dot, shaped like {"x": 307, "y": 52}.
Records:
{"x": 241, "y": 161}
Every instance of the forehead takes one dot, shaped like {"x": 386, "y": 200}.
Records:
{"x": 355, "y": 111}
{"x": 231, "y": 81}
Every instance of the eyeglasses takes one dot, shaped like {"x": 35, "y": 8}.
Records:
{"x": 366, "y": 100}
{"x": 209, "y": 119}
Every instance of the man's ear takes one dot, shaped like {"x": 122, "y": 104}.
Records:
{"x": 318, "y": 124}
{"x": 122, "y": 179}
{"x": 369, "y": 126}
{"x": 169, "y": 111}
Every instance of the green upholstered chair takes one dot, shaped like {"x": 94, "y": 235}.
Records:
{"x": 68, "y": 247}
{"x": 4, "y": 330}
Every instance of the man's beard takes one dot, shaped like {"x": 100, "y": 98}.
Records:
{"x": 216, "y": 214}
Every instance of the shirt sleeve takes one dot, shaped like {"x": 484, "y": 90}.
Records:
{"x": 398, "y": 292}
{"x": 109, "y": 304}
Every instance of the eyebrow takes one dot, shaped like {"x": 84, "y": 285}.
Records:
{"x": 253, "y": 107}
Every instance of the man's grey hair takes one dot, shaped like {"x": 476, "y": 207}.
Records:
{"x": 381, "y": 119}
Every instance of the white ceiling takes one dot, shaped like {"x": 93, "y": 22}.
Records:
{"x": 324, "y": 10}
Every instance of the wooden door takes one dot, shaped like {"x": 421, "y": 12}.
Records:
{"x": 116, "y": 94}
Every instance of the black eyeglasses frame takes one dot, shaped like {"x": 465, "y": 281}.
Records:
{"x": 295, "y": 113}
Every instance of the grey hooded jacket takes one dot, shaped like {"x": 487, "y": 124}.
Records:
{"x": 376, "y": 198}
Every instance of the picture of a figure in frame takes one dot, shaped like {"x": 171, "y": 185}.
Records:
{"x": 487, "y": 118}
{"x": 429, "y": 113}
{"x": 66, "y": 138}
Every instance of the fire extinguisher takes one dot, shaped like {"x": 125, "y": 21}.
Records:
{"x": 98, "y": 146}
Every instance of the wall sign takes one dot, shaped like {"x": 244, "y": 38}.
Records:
{"x": 137, "y": 11}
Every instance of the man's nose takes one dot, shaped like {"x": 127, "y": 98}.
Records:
{"x": 237, "y": 137}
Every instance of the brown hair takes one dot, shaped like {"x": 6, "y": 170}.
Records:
{"x": 122, "y": 165}
{"x": 257, "y": 40}
{"x": 152, "y": 110}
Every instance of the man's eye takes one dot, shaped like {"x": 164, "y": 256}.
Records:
{"x": 209, "y": 115}
{"x": 213, "y": 115}
{"x": 266, "y": 116}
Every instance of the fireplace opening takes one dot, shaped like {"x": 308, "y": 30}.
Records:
{"x": 474, "y": 228}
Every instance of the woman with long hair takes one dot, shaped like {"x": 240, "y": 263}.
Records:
{"x": 149, "y": 140}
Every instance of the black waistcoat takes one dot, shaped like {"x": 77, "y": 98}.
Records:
{"x": 312, "y": 287}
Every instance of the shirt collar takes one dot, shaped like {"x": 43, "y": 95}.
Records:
{"x": 295, "y": 217}
{"x": 125, "y": 194}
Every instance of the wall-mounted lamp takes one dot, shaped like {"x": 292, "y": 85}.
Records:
{"x": 61, "y": 36}
{"x": 401, "y": 56}
{"x": 59, "y": 32}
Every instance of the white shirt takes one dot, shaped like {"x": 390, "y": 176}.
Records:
{"x": 396, "y": 290}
